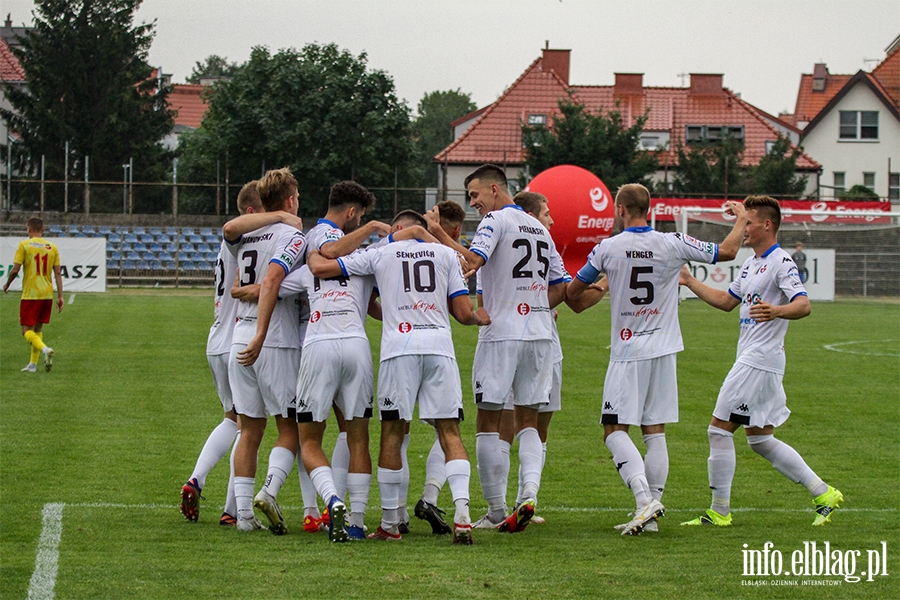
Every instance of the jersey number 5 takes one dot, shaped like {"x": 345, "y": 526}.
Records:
{"x": 637, "y": 284}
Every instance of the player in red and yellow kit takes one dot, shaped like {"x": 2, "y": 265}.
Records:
{"x": 39, "y": 259}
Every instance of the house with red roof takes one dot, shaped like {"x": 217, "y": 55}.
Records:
{"x": 702, "y": 112}
{"x": 851, "y": 124}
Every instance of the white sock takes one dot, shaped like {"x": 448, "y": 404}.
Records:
{"x": 324, "y": 483}
{"x": 630, "y": 465}
{"x": 281, "y": 461}
{"x": 307, "y": 490}
{"x": 404, "y": 484}
{"x": 721, "y": 467}
{"x": 230, "y": 504}
{"x": 656, "y": 463}
{"x": 217, "y": 444}
{"x": 490, "y": 465}
{"x": 531, "y": 457}
{"x": 389, "y": 482}
{"x": 358, "y": 485}
{"x": 243, "y": 496}
{"x": 787, "y": 461}
{"x": 459, "y": 472}
{"x": 340, "y": 463}
{"x": 505, "y": 466}
{"x": 435, "y": 473}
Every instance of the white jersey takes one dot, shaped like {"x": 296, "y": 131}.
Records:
{"x": 772, "y": 278}
{"x": 279, "y": 245}
{"x": 520, "y": 262}
{"x": 643, "y": 266}
{"x": 416, "y": 281}
{"x": 337, "y": 306}
{"x": 225, "y": 311}
{"x": 324, "y": 231}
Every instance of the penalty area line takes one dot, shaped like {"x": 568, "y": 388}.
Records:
{"x": 43, "y": 580}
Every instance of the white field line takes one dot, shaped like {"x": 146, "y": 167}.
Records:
{"x": 43, "y": 580}
{"x": 841, "y": 347}
{"x": 72, "y": 299}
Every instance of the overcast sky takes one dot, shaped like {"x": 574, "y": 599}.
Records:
{"x": 481, "y": 46}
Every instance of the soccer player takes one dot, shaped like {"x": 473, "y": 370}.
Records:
{"x": 522, "y": 277}
{"x": 336, "y": 234}
{"x": 218, "y": 346}
{"x": 265, "y": 351}
{"x": 416, "y": 281}
{"x": 770, "y": 294}
{"x": 641, "y": 388}
{"x": 39, "y": 258}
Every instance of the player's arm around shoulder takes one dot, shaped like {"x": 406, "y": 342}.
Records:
{"x": 716, "y": 298}
{"x": 322, "y": 267}
{"x": 592, "y": 294}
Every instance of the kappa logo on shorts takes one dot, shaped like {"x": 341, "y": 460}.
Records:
{"x": 743, "y": 408}
{"x": 313, "y": 318}
{"x": 523, "y": 309}
{"x": 404, "y": 327}
{"x": 607, "y": 406}
{"x": 302, "y": 404}
{"x": 387, "y": 402}
{"x": 626, "y": 334}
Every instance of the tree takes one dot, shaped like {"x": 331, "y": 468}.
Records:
{"x": 213, "y": 67}
{"x": 89, "y": 84}
{"x": 859, "y": 192}
{"x": 599, "y": 143}
{"x": 776, "y": 173}
{"x": 319, "y": 110}
{"x": 431, "y": 129}
{"x": 710, "y": 169}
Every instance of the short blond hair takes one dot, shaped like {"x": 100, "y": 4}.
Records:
{"x": 635, "y": 198}
{"x": 275, "y": 187}
{"x": 248, "y": 198}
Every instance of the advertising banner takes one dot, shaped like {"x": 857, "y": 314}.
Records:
{"x": 82, "y": 263}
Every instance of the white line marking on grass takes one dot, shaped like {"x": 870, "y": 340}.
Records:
{"x": 72, "y": 299}
{"x": 839, "y": 347}
{"x": 43, "y": 580}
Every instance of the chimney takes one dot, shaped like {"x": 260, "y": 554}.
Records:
{"x": 8, "y": 24}
{"x": 629, "y": 84}
{"x": 820, "y": 76}
{"x": 556, "y": 61}
{"x": 706, "y": 84}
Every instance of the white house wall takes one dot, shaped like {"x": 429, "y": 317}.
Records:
{"x": 851, "y": 156}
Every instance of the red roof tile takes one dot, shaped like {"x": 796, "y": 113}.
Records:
{"x": 496, "y": 136}
{"x": 888, "y": 75}
{"x": 10, "y": 69}
{"x": 188, "y": 100}
{"x": 810, "y": 102}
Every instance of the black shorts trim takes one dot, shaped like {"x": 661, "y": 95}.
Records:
{"x": 390, "y": 415}
{"x": 739, "y": 419}
{"x": 479, "y": 396}
{"x": 368, "y": 413}
{"x": 304, "y": 417}
{"x": 609, "y": 419}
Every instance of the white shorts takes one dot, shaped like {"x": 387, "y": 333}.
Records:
{"x": 641, "y": 392}
{"x": 431, "y": 380}
{"x": 268, "y": 386}
{"x": 335, "y": 372}
{"x": 752, "y": 397}
{"x": 218, "y": 365}
{"x": 555, "y": 403}
{"x": 523, "y": 368}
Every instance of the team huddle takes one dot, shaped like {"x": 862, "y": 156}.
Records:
{"x": 288, "y": 341}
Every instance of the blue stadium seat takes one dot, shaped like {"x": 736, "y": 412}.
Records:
{"x": 155, "y": 231}
{"x": 116, "y": 256}
{"x": 148, "y": 256}
{"x": 154, "y": 247}
{"x": 163, "y": 239}
{"x": 81, "y": 235}
{"x": 187, "y": 231}
{"x": 124, "y": 247}
{"x": 111, "y": 264}
{"x": 89, "y": 230}
{"x": 147, "y": 238}
{"x": 129, "y": 264}
{"x": 138, "y": 231}
{"x": 188, "y": 265}
{"x": 212, "y": 240}
{"x": 104, "y": 230}
{"x": 171, "y": 231}
{"x": 212, "y": 257}
{"x": 110, "y": 247}
{"x": 140, "y": 247}
{"x": 156, "y": 265}
{"x": 122, "y": 230}
{"x": 165, "y": 256}
{"x": 132, "y": 257}
{"x": 115, "y": 238}
{"x": 195, "y": 239}
{"x": 186, "y": 247}
{"x": 183, "y": 257}
{"x": 55, "y": 229}
{"x": 203, "y": 248}
{"x": 171, "y": 247}
{"x": 170, "y": 265}
{"x": 143, "y": 265}
{"x": 205, "y": 231}
{"x": 131, "y": 238}
{"x": 183, "y": 239}
{"x": 72, "y": 229}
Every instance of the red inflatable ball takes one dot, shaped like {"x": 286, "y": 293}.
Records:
{"x": 582, "y": 209}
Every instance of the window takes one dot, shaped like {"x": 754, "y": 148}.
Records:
{"x": 839, "y": 185}
{"x": 858, "y": 125}
{"x": 654, "y": 140}
{"x": 769, "y": 145}
{"x": 869, "y": 180}
{"x": 537, "y": 119}
{"x": 713, "y": 134}
{"x": 894, "y": 187}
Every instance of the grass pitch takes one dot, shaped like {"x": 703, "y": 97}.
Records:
{"x": 93, "y": 455}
